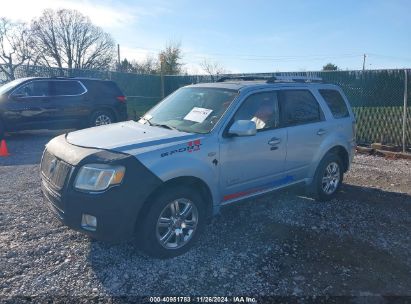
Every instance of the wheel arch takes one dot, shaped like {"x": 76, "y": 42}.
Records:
{"x": 337, "y": 149}
{"x": 342, "y": 153}
{"x": 189, "y": 181}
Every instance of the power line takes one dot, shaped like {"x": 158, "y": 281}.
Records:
{"x": 390, "y": 56}
{"x": 255, "y": 56}
{"x": 292, "y": 59}
{"x": 276, "y": 57}
{"x": 192, "y": 57}
{"x": 264, "y": 57}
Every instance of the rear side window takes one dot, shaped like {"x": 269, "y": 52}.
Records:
{"x": 299, "y": 107}
{"x": 67, "y": 88}
{"x": 335, "y": 102}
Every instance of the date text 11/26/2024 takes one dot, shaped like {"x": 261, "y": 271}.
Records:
{"x": 201, "y": 299}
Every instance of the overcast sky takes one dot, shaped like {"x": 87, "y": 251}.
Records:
{"x": 250, "y": 36}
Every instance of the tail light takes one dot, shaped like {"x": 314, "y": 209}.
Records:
{"x": 122, "y": 99}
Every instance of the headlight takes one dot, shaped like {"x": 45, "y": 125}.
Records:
{"x": 98, "y": 177}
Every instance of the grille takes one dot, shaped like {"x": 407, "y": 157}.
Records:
{"x": 54, "y": 170}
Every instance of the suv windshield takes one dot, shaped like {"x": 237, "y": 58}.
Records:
{"x": 194, "y": 110}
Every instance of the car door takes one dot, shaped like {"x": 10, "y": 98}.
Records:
{"x": 252, "y": 164}
{"x": 306, "y": 127}
{"x": 29, "y": 107}
{"x": 69, "y": 98}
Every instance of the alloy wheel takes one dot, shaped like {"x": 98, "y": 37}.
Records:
{"x": 177, "y": 223}
{"x": 331, "y": 178}
{"x": 102, "y": 120}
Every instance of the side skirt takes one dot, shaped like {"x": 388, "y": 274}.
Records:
{"x": 261, "y": 192}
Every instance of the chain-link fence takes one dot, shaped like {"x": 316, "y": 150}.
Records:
{"x": 377, "y": 99}
{"x": 377, "y": 96}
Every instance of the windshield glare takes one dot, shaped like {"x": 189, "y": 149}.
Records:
{"x": 4, "y": 88}
{"x": 194, "y": 110}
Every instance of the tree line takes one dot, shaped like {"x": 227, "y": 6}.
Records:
{"x": 58, "y": 38}
{"x": 168, "y": 62}
{"x": 67, "y": 39}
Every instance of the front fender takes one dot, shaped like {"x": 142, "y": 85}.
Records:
{"x": 179, "y": 161}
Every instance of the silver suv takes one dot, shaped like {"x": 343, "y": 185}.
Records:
{"x": 203, "y": 147}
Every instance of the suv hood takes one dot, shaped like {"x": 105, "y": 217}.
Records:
{"x": 129, "y": 137}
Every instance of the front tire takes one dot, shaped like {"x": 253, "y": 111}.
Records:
{"x": 100, "y": 118}
{"x": 328, "y": 178}
{"x": 173, "y": 223}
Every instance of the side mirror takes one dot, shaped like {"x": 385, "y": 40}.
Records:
{"x": 243, "y": 128}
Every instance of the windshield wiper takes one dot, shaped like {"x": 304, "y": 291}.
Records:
{"x": 153, "y": 124}
{"x": 146, "y": 120}
{"x": 162, "y": 126}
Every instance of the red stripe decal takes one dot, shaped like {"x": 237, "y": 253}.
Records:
{"x": 239, "y": 194}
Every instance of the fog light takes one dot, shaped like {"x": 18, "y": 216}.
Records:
{"x": 88, "y": 222}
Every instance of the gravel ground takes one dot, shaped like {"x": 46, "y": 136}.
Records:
{"x": 279, "y": 244}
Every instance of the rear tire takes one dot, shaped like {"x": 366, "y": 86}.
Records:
{"x": 328, "y": 178}
{"x": 101, "y": 117}
{"x": 173, "y": 223}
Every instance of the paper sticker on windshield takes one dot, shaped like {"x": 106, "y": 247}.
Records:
{"x": 198, "y": 114}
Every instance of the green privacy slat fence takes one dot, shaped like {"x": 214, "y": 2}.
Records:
{"x": 376, "y": 96}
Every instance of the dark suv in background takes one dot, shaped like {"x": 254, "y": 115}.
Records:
{"x": 59, "y": 103}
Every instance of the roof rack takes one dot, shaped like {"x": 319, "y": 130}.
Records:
{"x": 243, "y": 78}
{"x": 303, "y": 79}
{"x": 272, "y": 79}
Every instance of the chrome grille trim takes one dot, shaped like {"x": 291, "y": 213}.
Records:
{"x": 54, "y": 170}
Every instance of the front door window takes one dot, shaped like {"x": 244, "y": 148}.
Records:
{"x": 33, "y": 89}
{"x": 262, "y": 108}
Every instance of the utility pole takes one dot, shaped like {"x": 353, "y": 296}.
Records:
{"x": 363, "y": 62}
{"x": 118, "y": 56}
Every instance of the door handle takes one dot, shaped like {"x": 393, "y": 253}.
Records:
{"x": 321, "y": 132}
{"x": 274, "y": 141}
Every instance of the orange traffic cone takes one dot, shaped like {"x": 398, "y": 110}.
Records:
{"x": 3, "y": 148}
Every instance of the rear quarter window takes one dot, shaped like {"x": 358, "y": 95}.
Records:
{"x": 103, "y": 89}
{"x": 106, "y": 88}
{"x": 335, "y": 102}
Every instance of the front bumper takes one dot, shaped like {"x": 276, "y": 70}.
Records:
{"x": 116, "y": 217}
{"x": 116, "y": 209}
